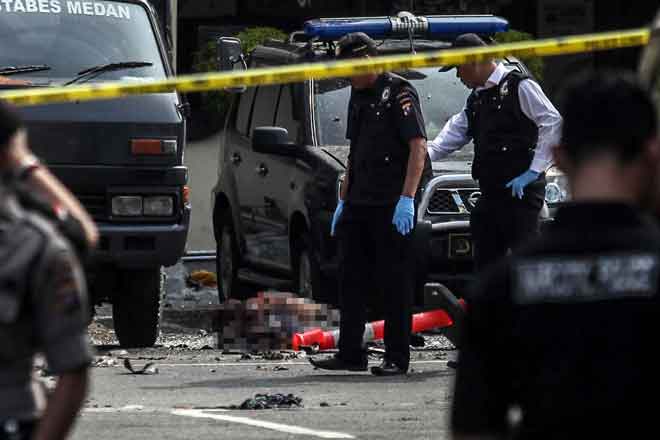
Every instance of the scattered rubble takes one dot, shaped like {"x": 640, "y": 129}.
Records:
{"x": 104, "y": 362}
{"x": 270, "y": 401}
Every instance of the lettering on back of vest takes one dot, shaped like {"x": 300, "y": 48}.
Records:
{"x": 585, "y": 279}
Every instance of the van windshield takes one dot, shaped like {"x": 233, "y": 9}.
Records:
{"x": 69, "y": 36}
{"x": 442, "y": 95}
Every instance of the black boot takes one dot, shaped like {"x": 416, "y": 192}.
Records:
{"x": 337, "y": 363}
{"x": 387, "y": 368}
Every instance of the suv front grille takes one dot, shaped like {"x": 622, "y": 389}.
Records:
{"x": 95, "y": 204}
{"x": 452, "y": 201}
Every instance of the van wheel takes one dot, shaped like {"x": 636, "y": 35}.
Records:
{"x": 136, "y": 307}
{"x": 307, "y": 274}
{"x": 227, "y": 261}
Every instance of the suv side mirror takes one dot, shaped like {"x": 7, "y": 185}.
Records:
{"x": 229, "y": 57}
{"x": 273, "y": 140}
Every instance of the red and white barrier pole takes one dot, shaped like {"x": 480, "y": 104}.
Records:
{"x": 373, "y": 331}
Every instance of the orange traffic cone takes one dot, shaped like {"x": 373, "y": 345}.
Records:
{"x": 373, "y": 331}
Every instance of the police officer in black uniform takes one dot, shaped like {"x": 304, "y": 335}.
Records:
{"x": 561, "y": 334}
{"x": 513, "y": 126}
{"x": 375, "y": 218}
{"x": 43, "y": 309}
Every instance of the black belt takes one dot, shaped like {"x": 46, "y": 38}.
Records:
{"x": 11, "y": 429}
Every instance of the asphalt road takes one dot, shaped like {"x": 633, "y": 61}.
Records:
{"x": 195, "y": 383}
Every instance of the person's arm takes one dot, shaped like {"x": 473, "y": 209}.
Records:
{"x": 61, "y": 308}
{"x": 538, "y": 108}
{"x": 63, "y": 406}
{"x": 43, "y": 181}
{"x": 416, "y": 160}
{"x": 452, "y": 137}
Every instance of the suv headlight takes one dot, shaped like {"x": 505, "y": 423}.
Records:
{"x": 556, "y": 189}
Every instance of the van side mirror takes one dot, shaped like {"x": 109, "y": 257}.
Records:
{"x": 229, "y": 57}
{"x": 273, "y": 140}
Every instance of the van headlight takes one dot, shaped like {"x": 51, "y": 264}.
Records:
{"x": 137, "y": 206}
{"x": 127, "y": 206}
{"x": 556, "y": 188}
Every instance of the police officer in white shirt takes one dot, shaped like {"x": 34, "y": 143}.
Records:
{"x": 513, "y": 126}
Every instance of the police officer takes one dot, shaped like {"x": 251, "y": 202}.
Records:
{"x": 375, "y": 217}
{"x": 513, "y": 126}
{"x": 42, "y": 310}
{"x": 560, "y": 333}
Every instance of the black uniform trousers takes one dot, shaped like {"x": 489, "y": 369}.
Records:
{"x": 501, "y": 222}
{"x": 372, "y": 250}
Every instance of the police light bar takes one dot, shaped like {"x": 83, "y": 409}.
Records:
{"x": 431, "y": 26}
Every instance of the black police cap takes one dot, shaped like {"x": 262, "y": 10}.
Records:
{"x": 465, "y": 40}
{"x": 356, "y": 44}
{"x": 10, "y": 123}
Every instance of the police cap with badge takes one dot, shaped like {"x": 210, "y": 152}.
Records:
{"x": 464, "y": 40}
{"x": 355, "y": 45}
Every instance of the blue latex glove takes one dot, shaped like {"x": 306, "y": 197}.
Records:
{"x": 518, "y": 184}
{"x": 404, "y": 215}
{"x": 335, "y": 217}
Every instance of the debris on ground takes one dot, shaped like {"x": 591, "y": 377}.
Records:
{"x": 273, "y": 356}
{"x": 270, "y": 401}
{"x": 104, "y": 362}
{"x": 201, "y": 278}
{"x": 148, "y": 368}
{"x": 280, "y": 368}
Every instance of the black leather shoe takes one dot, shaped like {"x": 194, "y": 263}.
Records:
{"x": 336, "y": 363}
{"x": 387, "y": 368}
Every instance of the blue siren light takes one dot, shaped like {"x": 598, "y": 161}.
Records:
{"x": 431, "y": 26}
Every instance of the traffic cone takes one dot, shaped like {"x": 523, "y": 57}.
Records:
{"x": 373, "y": 331}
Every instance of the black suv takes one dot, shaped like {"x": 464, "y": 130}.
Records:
{"x": 277, "y": 189}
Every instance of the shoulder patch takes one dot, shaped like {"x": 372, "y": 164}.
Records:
{"x": 585, "y": 279}
{"x": 405, "y": 100}
{"x": 65, "y": 285}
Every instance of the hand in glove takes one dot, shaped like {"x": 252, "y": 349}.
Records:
{"x": 335, "y": 217}
{"x": 404, "y": 215}
{"x": 518, "y": 184}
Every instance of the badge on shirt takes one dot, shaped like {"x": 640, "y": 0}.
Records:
{"x": 386, "y": 95}
{"x": 504, "y": 90}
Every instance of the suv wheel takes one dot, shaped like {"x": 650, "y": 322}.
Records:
{"x": 136, "y": 307}
{"x": 227, "y": 261}
{"x": 307, "y": 272}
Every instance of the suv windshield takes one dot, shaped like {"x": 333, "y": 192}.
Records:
{"x": 442, "y": 95}
{"x": 71, "y": 35}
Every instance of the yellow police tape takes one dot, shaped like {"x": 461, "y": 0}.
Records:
{"x": 301, "y": 72}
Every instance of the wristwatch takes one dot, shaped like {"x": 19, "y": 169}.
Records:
{"x": 27, "y": 167}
